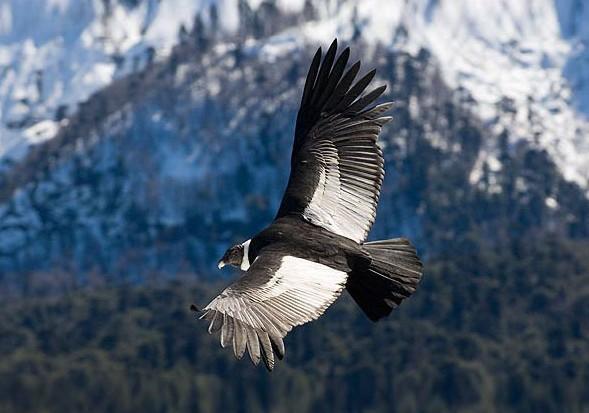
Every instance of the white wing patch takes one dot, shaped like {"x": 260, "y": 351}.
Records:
{"x": 245, "y": 261}
{"x": 323, "y": 207}
{"x": 347, "y": 192}
{"x": 310, "y": 284}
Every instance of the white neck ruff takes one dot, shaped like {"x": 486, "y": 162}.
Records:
{"x": 245, "y": 261}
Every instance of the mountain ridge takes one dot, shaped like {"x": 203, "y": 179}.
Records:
{"x": 166, "y": 166}
{"x": 542, "y": 46}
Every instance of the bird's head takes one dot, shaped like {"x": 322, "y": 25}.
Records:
{"x": 237, "y": 256}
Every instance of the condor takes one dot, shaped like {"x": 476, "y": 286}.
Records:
{"x": 315, "y": 247}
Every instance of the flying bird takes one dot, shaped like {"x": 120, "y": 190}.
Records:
{"x": 316, "y": 246}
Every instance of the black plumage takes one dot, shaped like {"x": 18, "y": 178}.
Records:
{"x": 315, "y": 247}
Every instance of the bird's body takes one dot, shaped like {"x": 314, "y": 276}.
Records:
{"x": 294, "y": 236}
{"x": 316, "y": 246}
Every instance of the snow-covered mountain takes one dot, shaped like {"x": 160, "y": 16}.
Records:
{"x": 55, "y": 53}
{"x": 146, "y": 135}
{"x": 525, "y": 63}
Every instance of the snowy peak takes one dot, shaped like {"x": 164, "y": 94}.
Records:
{"x": 515, "y": 59}
{"x": 54, "y": 54}
{"x": 525, "y": 64}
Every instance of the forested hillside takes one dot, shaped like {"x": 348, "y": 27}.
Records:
{"x": 491, "y": 329}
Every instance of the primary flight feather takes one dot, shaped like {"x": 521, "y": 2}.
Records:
{"x": 315, "y": 247}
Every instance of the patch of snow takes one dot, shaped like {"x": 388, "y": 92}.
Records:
{"x": 551, "y": 203}
{"x": 277, "y": 47}
{"x": 45, "y": 66}
{"x": 484, "y": 159}
{"x": 512, "y": 50}
{"x": 291, "y": 6}
{"x": 41, "y": 131}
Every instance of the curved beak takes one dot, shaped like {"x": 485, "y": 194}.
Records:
{"x": 221, "y": 264}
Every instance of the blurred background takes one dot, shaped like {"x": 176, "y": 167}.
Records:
{"x": 140, "y": 138}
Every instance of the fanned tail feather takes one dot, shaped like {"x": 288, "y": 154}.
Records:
{"x": 393, "y": 275}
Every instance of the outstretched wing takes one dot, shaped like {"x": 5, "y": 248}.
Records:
{"x": 277, "y": 293}
{"x": 336, "y": 164}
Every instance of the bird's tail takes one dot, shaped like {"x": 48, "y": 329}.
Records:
{"x": 393, "y": 275}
